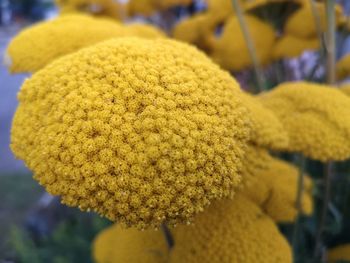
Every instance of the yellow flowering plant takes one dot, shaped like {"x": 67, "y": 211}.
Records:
{"x": 146, "y": 124}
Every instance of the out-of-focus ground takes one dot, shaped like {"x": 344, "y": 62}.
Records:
{"x": 9, "y": 86}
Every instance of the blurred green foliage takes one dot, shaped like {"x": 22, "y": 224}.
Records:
{"x": 69, "y": 242}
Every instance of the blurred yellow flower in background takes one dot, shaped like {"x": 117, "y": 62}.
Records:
{"x": 110, "y": 8}
{"x": 303, "y": 22}
{"x": 289, "y": 46}
{"x": 230, "y": 50}
{"x": 316, "y": 117}
{"x": 230, "y": 231}
{"x": 116, "y": 244}
{"x": 339, "y": 253}
{"x": 343, "y": 67}
{"x": 38, "y": 45}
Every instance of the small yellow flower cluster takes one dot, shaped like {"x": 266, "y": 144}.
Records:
{"x": 116, "y": 244}
{"x": 230, "y": 231}
{"x": 231, "y": 50}
{"x": 343, "y": 67}
{"x": 140, "y": 131}
{"x": 109, "y": 8}
{"x": 316, "y": 117}
{"x": 339, "y": 254}
{"x": 44, "y": 42}
{"x": 267, "y": 130}
{"x": 272, "y": 184}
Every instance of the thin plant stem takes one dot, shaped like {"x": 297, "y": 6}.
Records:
{"x": 298, "y": 204}
{"x": 317, "y": 19}
{"x": 331, "y": 41}
{"x": 250, "y": 45}
{"x": 331, "y": 79}
{"x": 168, "y": 236}
{"x": 327, "y": 196}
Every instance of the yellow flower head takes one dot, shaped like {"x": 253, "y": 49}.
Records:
{"x": 272, "y": 185}
{"x": 230, "y": 231}
{"x": 40, "y": 44}
{"x": 290, "y": 46}
{"x": 221, "y": 9}
{"x": 302, "y": 22}
{"x": 143, "y": 30}
{"x": 267, "y": 130}
{"x": 116, "y": 244}
{"x": 339, "y": 253}
{"x": 198, "y": 30}
{"x": 343, "y": 67}
{"x": 108, "y": 8}
{"x": 141, "y": 131}
{"x": 316, "y": 117}
{"x": 231, "y": 50}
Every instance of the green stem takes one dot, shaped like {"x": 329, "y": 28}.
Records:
{"x": 298, "y": 204}
{"x": 250, "y": 45}
{"x": 327, "y": 196}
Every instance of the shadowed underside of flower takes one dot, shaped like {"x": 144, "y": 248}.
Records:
{"x": 140, "y": 131}
{"x": 272, "y": 184}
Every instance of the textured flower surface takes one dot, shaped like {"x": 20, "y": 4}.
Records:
{"x": 302, "y": 23}
{"x": 272, "y": 184}
{"x": 141, "y": 131}
{"x": 290, "y": 46}
{"x": 343, "y": 67}
{"x": 230, "y": 50}
{"x": 44, "y": 42}
{"x": 316, "y": 117}
{"x": 115, "y": 244}
{"x": 267, "y": 130}
{"x": 230, "y": 232}
{"x": 339, "y": 254}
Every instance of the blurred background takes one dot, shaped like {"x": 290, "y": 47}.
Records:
{"x": 35, "y": 227}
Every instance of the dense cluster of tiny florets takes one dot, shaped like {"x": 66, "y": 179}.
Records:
{"x": 267, "y": 130}
{"x": 316, "y": 117}
{"x": 140, "y": 131}
{"x": 233, "y": 232}
{"x": 272, "y": 185}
